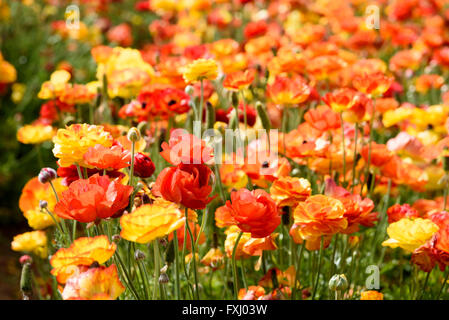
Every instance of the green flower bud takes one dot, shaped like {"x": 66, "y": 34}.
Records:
{"x": 338, "y": 282}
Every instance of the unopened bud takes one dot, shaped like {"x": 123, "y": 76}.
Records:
{"x": 25, "y": 259}
{"x": 133, "y": 135}
{"x": 46, "y": 175}
{"x": 338, "y": 282}
{"x": 189, "y": 90}
{"x": 139, "y": 255}
{"x": 164, "y": 269}
{"x": 163, "y": 278}
{"x": 43, "y": 204}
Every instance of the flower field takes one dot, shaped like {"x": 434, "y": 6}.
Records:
{"x": 224, "y": 150}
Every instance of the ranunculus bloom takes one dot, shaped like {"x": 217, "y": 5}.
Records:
{"x": 34, "y": 241}
{"x": 113, "y": 158}
{"x": 200, "y": 69}
{"x": 320, "y": 215}
{"x": 32, "y": 194}
{"x": 374, "y": 84}
{"x": 371, "y": 295}
{"x": 288, "y": 191}
{"x": 102, "y": 283}
{"x": 72, "y": 143}
{"x": 341, "y": 99}
{"x": 214, "y": 258}
{"x": 397, "y": 211}
{"x": 186, "y": 148}
{"x": 34, "y": 134}
{"x": 239, "y": 80}
{"x": 232, "y": 234}
{"x": 151, "y": 221}
{"x": 254, "y": 211}
{"x": 323, "y": 118}
{"x": 409, "y": 234}
{"x": 143, "y": 166}
{"x": 286, "y": 91}
{"x": 380, "y": 155}
{"x": 82, "y": 252}
{"x": 88, "y": 200}
{"x": 187, "y": 184}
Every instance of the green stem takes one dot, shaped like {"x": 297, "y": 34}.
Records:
{"x": 315, "y": 286}
{"x": 234, "y": 266}
{"x": 177, "y": 283}
{"x": 195, "y": 271}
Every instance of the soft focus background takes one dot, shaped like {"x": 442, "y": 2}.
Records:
{"x": 32, "y": 41}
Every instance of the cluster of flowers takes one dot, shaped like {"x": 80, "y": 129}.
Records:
{"x": 363, "y": 120}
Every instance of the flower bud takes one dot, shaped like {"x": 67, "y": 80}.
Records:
{"x": 338, "y": 282}
{"x": 143, "y": 166}
{"x": 133, "y": 135}
{"x": 163, "y": 278}
{"x": 139, "y": 255}
{"x": 189, "y": 90}
{"x": 43, "y": 204}
{"x": 116, "y": 238}
{"x": 25, "y": 259}
{"x": 46, "y": 175}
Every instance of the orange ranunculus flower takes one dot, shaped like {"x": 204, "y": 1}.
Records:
{"x": 358, "y": 211}
{"x": 320, "y": 215}
{"x": 325, "y": 67}
{"x": 33, "y": 241}
{"x": 405, "y": 59}
{"x": 380, "y": 155}
{"x": 73, "y": 142}
{"x": 284, "y": 278}
{"x": 35, "y": 133}
{"x": 102, "y": 283}
{"x": 151, "y": 221}
{"x": 289, "y": 191}
{"x": 397, "y": 211}
{"x": 92, "y": 199}
{"x": 252, "y": 293}
{"x": 82, "y": 252}
{"x": 255, "y": 246}
{"x": 186, "y": 148}
{"x": 323, "y": 118}
{"x": 32, "y": 194}
{"x": 373, "y": 84}
{"x": 214, "y": 258}
{"x": 239, "y": 80}
{"x": 186, "y": 184}
{"x": 427, "y": 81}
{"x": 286, "y": 91}
{"x": 341, "y": 99}
{"x": 224, "y": 218}
{"x": 371, "y": 295}
{"x": 254, "y": 211}
{"x": 79, "y": 93}
{"x": 113, "y": 158}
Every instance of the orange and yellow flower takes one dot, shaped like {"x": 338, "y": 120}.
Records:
{"x": 31, "y": 242}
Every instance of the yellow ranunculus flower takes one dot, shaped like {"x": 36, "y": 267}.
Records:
{"x": 126, "y": 72}
{"x": 35, "y": 134}
{"x": 200, "y": 69}
{"x": 151, "y": 221}
{"x": 8, "y": 73}
{"x": 392, "y": 117}
{"x": 410, "y": 234}
{"x": 55, "y": 86}
{"x": 73, "y": 142}
{"x": 32, "y": 194}
{"x": 33, "y": 242}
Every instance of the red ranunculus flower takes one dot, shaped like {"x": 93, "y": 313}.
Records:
{"x": 92, "y": 199}
{"x": 187, "y": 184}
{"x": 254, "y": 211}
{"x": 143, "y": 166}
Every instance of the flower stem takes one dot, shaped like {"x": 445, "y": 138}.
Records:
{"x": 234, "y": 266}
{"x": 177, "y": 284}
{"x": 315, "y": 285}
{"x": 195, "y": 272}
